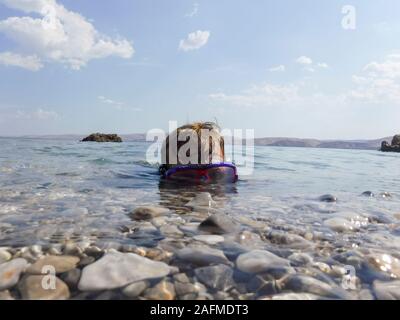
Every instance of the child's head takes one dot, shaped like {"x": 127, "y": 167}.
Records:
{"x": 195, "y": 143}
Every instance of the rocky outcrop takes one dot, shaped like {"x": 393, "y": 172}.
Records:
{"x": 101, "y": 137}
{"x": 394, "y": 147}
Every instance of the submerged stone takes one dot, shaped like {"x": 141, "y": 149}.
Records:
{"x": 147, "y": 212}
{"x": 388, "y": 290}
{"x": 258, "y": 261}
{"x": 218, "y": 224}
{"x": 61, "y": 264}
{"x": 164, "y": 290}
{"x": 31, "y": 288}
{"x": 10, "y": 272}
{"x": 303, "y": 283}
{"x": 134, "y": 290}
{"x": 209, "y": 239}
{"x": 217, "y": 277}
{"x": 202, "y": 256}
{"x": 327, "y": 198}
{"x": 115, "y": 270}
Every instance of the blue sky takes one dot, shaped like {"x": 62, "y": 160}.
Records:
{"x": 282, "y": 68}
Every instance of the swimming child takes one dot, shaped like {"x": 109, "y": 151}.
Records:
{"x": 196, "y": 153}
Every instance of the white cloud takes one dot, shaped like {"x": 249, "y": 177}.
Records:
{"x": 304, "y": 60}
{"x": 109, "y": 101}
{"x": 194, "y": 40}
{"x": 31, "y": 63}
{"x": 59, "y": 35}
{"x": 309, "y": 69}
{"x": 323, "y": 65}
{"x": 194, "y": 11}
{"x": 280, "y": 68}
{"x": 261, "y": 95}
{"x": 116, "y": 104}
{"x": 379, "y": 82}
{"x": 39, "y": 114}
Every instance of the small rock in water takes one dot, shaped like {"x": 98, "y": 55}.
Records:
{"x": 299, "y": 258}
{"x": 201, "y": 200}
{"x": 209, "y": 239}
{"x": 258, "y": 261}
{"x": 6, "y": 295}
{"x": 86, "y": 261}
{"x": 171, "y": 231}
{"x": 147, "y": 212}
{"x": 293, "y": 296}
{"x": 202, "y": 256}
{"x": 341, "y": 224}
{"x": 31, "y": 288}
{"x": 10, "y": 272}
{"x": 385, "y": 263}
{"x": 368, "y": 194}
{"x": 146, "y": 238}
{"x": 387, "y": 290}
{"x": 61, "y": 264}
{"x": 134, "y": 290}
{"x": 71, "y": 278}
{"x": 385, "y": 195}
{"x": 327, "y": 198}
{"x": 217, "y": 277}
{"x": 284, "y": 238}
{"x": 218, "y": 224}
{"x": 115, "y": 270}
{"x": 303, "y": 283}
{"x": 4, "y": 256}
{"x": 164, "y": 290}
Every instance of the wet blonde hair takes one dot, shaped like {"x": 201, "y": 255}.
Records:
{"x": 214, "y": 145}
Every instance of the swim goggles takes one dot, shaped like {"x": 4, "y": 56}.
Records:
{"x": 209, "y": 173}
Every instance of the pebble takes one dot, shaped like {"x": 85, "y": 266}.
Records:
{"x": 302, "y": 283}
{"x": 218, "y": 224}
{"x": 387, "y": 290}
{"x": 6, "y": 295}
{"x": 86, "y": 260}
{"x": 258, "y": 261}
{"x": 135, "y": 289}
{"x": 201, "y": 200}
{"x": 71, "y": 278}
{"x": 202, "y": 256}
{"x": 248, "y": 238}
{"x": 164, "y": 290}
{"x": 31, "y": 288}
{"x": 217, "y": 277}
{"x": 115, "y": 270}
{"x": 284, "y": 238}
{"x": 5, "y": 256}
{"x": 300, "y": 258}
{"x": 368, "y": 194}
{"x": 10, "y": 272}
{"x": 149, "y": 238}
{"x": 61, "y": 264}
{"x": 385, "y": 195}
{"x": 147, "y": 212}
{"x": 292, "y": 296}
{"x": 183, "y": 289}
{"x": 169, "y": 230}
{"x": 385, "y": 263}
{"x": 327, "y": 198}
{"x": 209, "y": 239}
{"x": 340, "y": 224}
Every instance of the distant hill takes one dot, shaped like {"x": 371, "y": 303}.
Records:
{"x": 274, "y": 141}
{"x": 314, "y": 143}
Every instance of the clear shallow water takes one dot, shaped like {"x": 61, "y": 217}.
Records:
{"x": 50, "y": 190}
